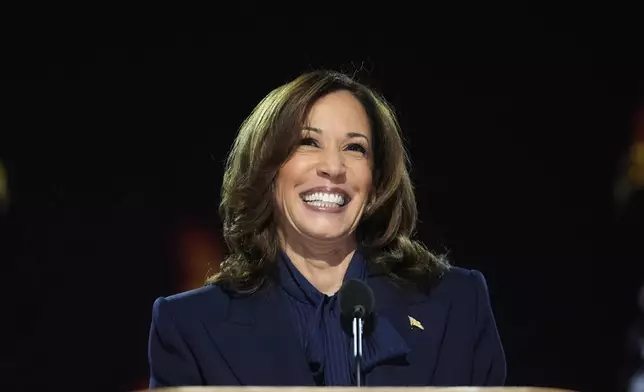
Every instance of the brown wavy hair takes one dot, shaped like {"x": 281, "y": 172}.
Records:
{"x": 266, "y": 140}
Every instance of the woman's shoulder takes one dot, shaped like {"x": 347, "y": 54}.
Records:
{"x": 460, "y": 280}
{"x": 206, "y": 292}
{"x": 462, "y": 275}
{"x": 208, "y": 299}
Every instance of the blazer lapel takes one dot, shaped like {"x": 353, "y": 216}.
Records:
{"x": 259, "y": 343}
{"x": 397, "y": 306}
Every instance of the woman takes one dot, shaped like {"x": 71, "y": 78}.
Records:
{"x": 316, "y": 191}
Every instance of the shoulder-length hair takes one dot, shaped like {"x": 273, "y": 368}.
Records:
{"x": 265, "y": 141}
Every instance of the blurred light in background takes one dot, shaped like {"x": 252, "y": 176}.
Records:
{"x": 199, "y": 254}
{"x": 636, "y": 171}
{"x": 631, "y": 179}
{"x": 4, "y": 188}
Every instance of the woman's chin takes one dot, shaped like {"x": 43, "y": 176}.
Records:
{"x": 322, "y": 228}
{"x": 326, "y": 235}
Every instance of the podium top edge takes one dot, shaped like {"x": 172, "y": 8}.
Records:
{"x": 352, "y": 389}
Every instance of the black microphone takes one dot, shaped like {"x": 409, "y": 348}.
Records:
{"x": 356, "y": 301}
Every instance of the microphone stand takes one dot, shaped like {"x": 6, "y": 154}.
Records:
{"x": 358, "y": 326}
{"x": 356, "y": 302}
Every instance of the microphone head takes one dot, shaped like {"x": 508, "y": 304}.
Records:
{"x": 356, "y": 299}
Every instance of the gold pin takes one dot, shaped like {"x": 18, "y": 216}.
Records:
{"x": 415, "y": 323}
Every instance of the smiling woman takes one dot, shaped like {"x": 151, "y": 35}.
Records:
{"x": 322, "y": 190}
{"x": 317, "y": 192}
{"x": 323, "y": 130}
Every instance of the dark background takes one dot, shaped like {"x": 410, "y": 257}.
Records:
{"x": 115, "y": 136}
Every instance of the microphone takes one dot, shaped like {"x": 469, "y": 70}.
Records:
{"x": 356, "y": 301}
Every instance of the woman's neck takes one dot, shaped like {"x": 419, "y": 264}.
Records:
{"x": 322, "y": 264}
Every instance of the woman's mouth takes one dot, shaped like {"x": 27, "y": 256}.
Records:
{"x": 326, "y": 200}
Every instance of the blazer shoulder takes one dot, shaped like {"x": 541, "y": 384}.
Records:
{"x": 459, "y": 281}
{"x": 460, "y": 275}
{"x": 208, "y": 300}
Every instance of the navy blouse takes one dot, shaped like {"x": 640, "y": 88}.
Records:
{"x": 327, "y": 345}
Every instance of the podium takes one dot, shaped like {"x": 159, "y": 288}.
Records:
{"x": 355, "y": 389}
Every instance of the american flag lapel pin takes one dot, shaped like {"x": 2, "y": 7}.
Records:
{"x": 415, "y": 323}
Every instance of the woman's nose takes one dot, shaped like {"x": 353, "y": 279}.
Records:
{"x": 331, "y": 164}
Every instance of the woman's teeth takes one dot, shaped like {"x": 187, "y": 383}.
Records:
{"x": 328, "y": 200}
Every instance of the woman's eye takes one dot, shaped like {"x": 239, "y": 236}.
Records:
{"x": 357, "y": 147}
{"x": 308, "y": 141}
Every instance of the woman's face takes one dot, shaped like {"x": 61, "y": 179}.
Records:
{"x": 322, "y": 189}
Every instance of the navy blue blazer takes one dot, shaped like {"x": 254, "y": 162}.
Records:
{"x": 206, "y": 337}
